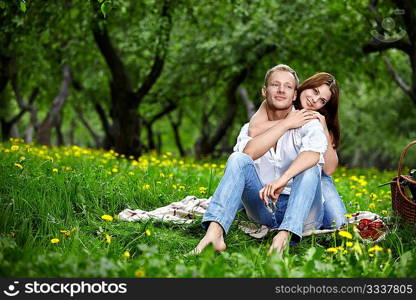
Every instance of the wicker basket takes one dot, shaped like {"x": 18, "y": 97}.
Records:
{"x": 401, "y": 201}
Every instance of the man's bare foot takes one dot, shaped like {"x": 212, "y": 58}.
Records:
{"x": 279, "y": 242}
{"x": 214, "y": 236}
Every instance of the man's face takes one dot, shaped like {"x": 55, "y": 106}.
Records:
{"x": 280, "y": 90}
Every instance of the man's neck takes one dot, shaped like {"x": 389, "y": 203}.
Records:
{"x": 275, "y": 115}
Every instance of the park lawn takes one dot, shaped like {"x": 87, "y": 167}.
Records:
{"x": 59, "y": 207}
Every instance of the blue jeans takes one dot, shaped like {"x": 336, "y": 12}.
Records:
{"x": 239, "y": 188}
{"x": 334, "y": 208}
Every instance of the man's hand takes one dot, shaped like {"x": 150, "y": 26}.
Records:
{"x": 298, "y": 118}
{"x": 273, "y": 189}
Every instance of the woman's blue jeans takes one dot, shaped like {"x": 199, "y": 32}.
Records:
{"x": 300, "y": 211}
{"x": 334, "y": 207}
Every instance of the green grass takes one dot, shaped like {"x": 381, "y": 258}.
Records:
{"x": 46, "y": 190}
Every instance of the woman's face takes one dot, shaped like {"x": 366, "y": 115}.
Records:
{"x": 315, "y": 98}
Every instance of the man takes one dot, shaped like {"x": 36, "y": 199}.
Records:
{"x": 283, "y": 164}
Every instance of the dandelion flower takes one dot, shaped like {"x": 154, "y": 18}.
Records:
{"x": 202, "y": 190}
{"x": 107, "y": 218}
{"x": 55, "y": 170}
{"x": 65, "y": 232}
{"x": 349, "y": 244}
{"x": 148, "y": 232}
{"x": 126, "y": 254}
{"x": 107, "y": 238}
{"x": 146, "y": 187}
{"x": 333, "y": 250}
{"x": 18, "y": 165}
{"x": 54, "y": 241}
{"x": 376, "y": 248}
{"x": 348, "y": 215}
{"x": 14, "y": 148}
{"x": 139, "y": 273}
{"x": 345, "y": 234}
{"x": 372, "y": 205}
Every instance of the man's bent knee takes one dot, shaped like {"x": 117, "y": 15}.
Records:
{"x": 239, "y": 159}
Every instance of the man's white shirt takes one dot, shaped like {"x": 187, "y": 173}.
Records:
{"x": 272, "y": 165}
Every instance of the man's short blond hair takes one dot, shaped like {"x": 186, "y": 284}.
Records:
{"x": 281, "y": 67}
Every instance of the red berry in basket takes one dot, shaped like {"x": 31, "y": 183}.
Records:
{"x": 360, "y": 226}
{"x": 378, "y": 224}
{"x": 366, "y": 222}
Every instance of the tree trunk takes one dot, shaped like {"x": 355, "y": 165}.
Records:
{"x": 123, "y": 135}
{"x": 45, "y": 128}
{"x": 205, "y": 146}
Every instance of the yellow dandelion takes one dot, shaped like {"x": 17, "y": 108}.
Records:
{"x": 170, "y": 175}
{"x": 332, "y": 250}
{"x": 348, "y": 215}
{"x": 107, "y": 217}
{"x": 161, "y": 174}
{"x": 345, "y": 234}
{"x": 55, "y": 170}
{"x": 65, "y": 232}
{"x": 139, "y": 273}
{"x": 373, "y": 196}
{"x": 174, "y": 186}
{"x": 114, "y": 170}
{"x": 349, "y": 244}
{"x": 146, "y": 187}
{"x": 372, "y": 205}
{"x": 126, "y": 254}
{"x": 336, "y": 180}
{"x": 107, "y": 238}
{"x": 14, "y": 148}
{"x": 376, "y": 248}
{"x": 384, "y": 212}
{"x": 202, "y": 190}
{"x": 54, "y": 241}
{"x": 148, "y": 232}
{"x": 18, "y": 165}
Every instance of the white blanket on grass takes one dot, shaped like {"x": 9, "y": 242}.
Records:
{"x": 186, "y": 210}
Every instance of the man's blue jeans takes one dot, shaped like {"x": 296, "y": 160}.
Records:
{"x": 240, "y": 185}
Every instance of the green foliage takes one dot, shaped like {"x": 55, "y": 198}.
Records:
{"x": 62, "y": 193}
{"x": 209, "y": 43}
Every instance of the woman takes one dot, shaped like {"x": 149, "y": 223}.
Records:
{"x": 325, "y": 107}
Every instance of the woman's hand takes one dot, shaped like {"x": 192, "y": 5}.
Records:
{"x": 298, "y": 118}
{"x": 272, "y": 190}
{"x": 321, "y": 119}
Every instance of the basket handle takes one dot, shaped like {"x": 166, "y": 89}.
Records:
{"x": 399, "y": 170}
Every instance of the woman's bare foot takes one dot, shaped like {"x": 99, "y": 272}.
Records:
{"x": 214, "y": 236}
{"x": 279, "y": 242}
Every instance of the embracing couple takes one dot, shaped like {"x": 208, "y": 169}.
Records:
{"x": 279, "y": 172}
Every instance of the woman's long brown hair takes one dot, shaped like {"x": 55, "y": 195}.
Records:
{"x": 330, "y": 109}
